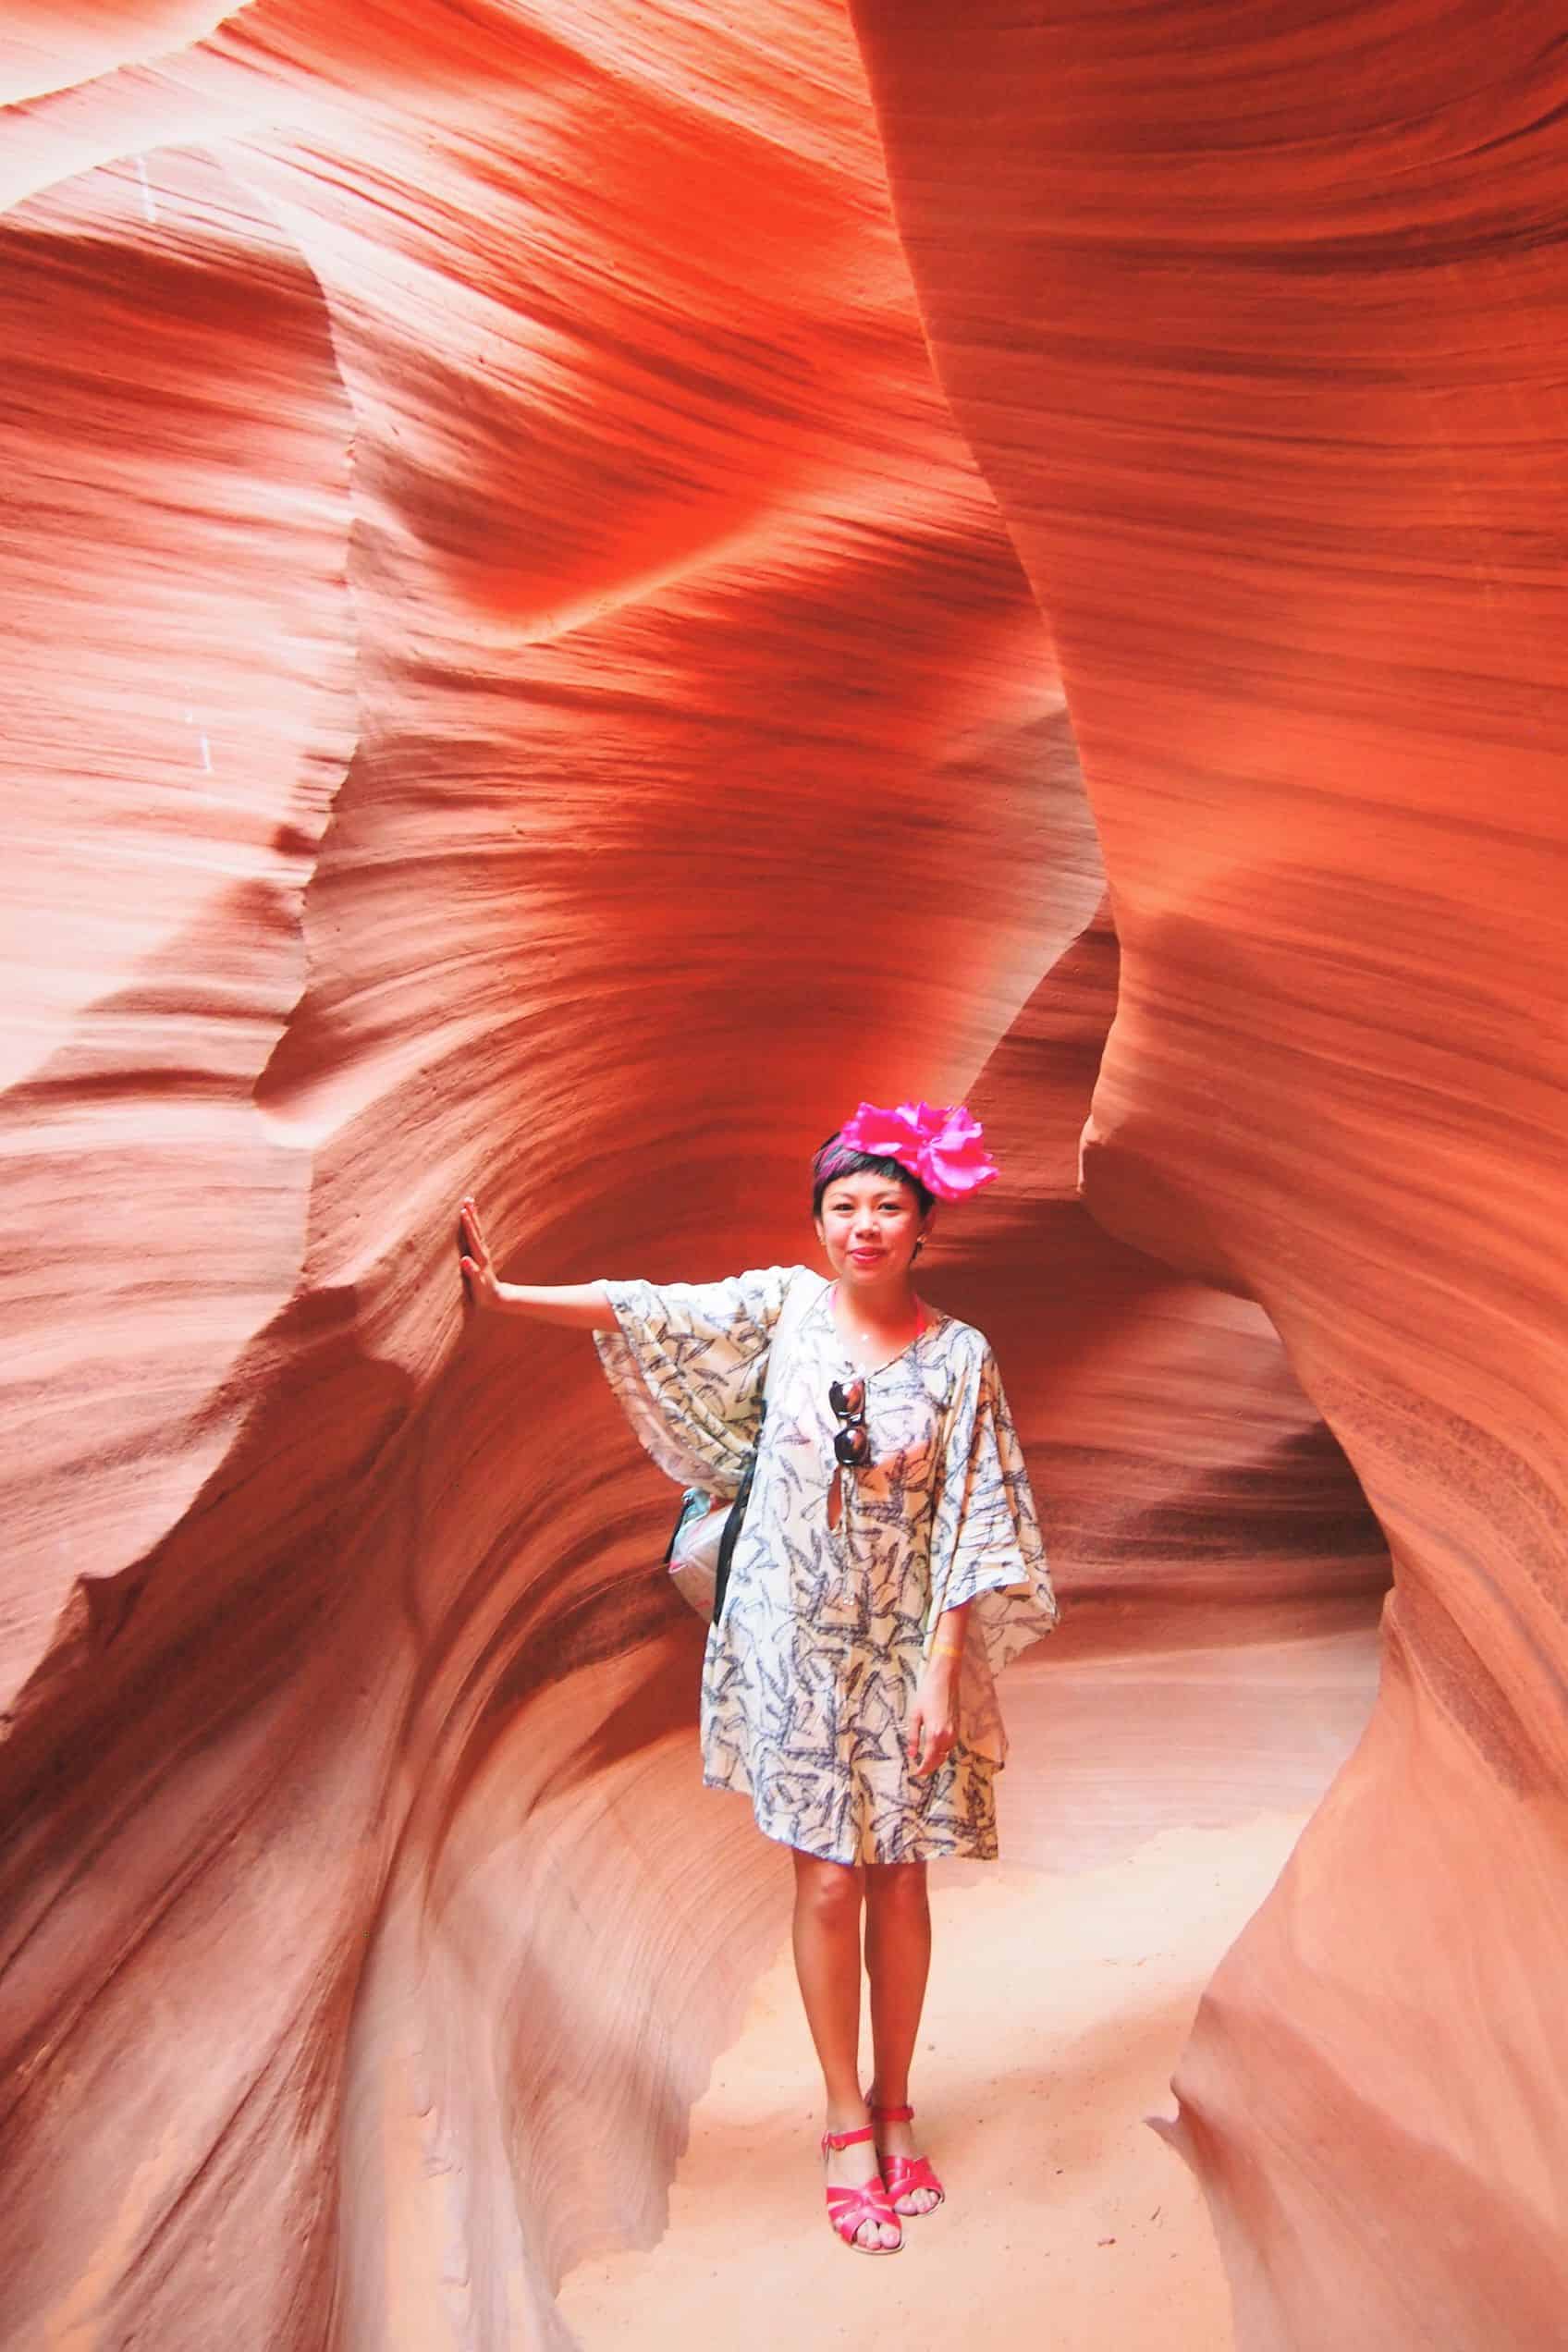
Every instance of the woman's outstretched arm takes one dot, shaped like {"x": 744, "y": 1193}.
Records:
{"x": 585, "y": 1305}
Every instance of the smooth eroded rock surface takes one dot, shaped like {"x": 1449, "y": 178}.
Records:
{"x": 1256, "y": 325}
{"x": 515, "y": 681}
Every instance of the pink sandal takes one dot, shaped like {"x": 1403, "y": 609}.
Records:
{"x": 900, "y": 2173}
{"x": 849, "y": 2210}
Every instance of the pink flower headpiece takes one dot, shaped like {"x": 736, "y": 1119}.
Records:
{"x": 943, "y": 1147}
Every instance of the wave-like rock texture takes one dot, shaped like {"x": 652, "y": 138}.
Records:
{"x": 1256, "y": 323}
{"x": 514, "y": 680}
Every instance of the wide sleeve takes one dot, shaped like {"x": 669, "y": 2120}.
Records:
{"x": 986, "y": 1542}
{"x": 688, "y": 1361}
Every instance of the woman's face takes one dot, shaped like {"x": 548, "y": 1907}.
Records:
{"x": 869, "y": 1225}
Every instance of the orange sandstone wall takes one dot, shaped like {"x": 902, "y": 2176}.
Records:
{"x": 512, "y": 680}
{"x": 1255, "y": 322}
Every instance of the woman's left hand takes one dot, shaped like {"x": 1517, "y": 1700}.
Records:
{"x": 932, "y": 1719}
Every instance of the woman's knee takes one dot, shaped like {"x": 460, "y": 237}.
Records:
{"x": 827, "y": 1892}
{"x": 896, "y": 1887}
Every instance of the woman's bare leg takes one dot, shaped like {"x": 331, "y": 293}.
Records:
{"x": 898, "y": 1961}
{"x": 827, "y": 1940}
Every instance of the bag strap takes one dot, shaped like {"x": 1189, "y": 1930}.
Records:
{"x": 791, "y": 1308}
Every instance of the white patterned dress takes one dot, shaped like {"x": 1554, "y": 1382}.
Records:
{"x": 812, "y": 1668}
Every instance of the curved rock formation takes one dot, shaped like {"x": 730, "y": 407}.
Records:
{"x": 1256, "y": 325}
{"x": 516, "y": 682}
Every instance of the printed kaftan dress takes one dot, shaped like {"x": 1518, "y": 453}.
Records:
{"x": 811, "y": 1671}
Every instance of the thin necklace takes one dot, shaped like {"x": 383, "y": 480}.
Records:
{"x": 868, "y": 1339}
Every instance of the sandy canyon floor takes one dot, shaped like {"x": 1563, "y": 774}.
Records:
{"x": 1060, "y": 2002}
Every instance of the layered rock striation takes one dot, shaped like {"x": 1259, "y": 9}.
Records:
{"x": 520, "y": 678}
{"x": 1255, "y": 327}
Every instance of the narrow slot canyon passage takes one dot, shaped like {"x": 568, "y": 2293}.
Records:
{"x": 587, "y": 584}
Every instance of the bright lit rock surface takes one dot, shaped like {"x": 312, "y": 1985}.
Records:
{"x": 520, "y": 675}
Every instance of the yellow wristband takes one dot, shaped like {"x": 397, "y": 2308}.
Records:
{"x": 946, "y": 1649}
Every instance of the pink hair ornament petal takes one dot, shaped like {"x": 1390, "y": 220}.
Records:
{"x": 942, "y": 1145}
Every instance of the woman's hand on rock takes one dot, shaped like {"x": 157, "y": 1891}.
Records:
{"x": 582, "y": 1306}
{"x": 479, "y": 1272}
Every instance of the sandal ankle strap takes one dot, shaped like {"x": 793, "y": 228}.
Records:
{"x": 847, "y": 2139}
{"x": 893, "y": 2114}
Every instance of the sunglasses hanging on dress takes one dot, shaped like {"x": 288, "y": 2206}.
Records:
{"x": 851, "y": 1445}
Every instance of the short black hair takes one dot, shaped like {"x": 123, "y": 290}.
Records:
{"x": 834, "y": 1160}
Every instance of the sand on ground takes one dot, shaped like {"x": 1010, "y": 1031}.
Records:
{"x": 1058, "y": 2008}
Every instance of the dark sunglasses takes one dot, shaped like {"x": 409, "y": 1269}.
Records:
{"x": 852, "y": 1447}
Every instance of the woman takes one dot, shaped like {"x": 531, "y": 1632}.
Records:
{"x": 888, "y": 1561}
